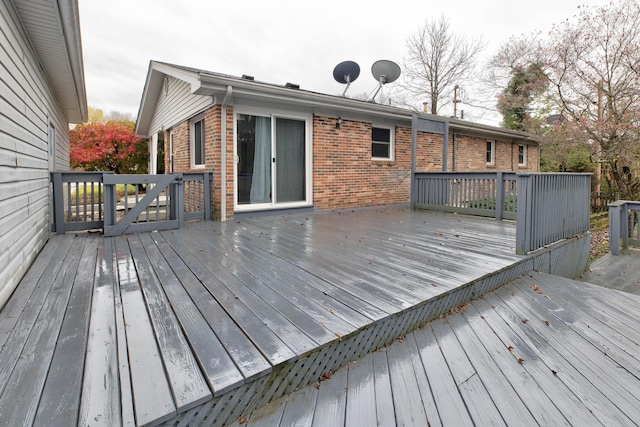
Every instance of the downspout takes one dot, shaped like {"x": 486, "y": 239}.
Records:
{"x": 445, "y": 145}
{"x": 223, "y": 154}
{"x": 455, "y": 149}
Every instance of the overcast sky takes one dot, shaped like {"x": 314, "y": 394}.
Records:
{"x": 280, "y": 41}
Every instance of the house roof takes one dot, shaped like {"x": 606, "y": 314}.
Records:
{"x": 53, "y": 28}
{"x": 210, "y": 83}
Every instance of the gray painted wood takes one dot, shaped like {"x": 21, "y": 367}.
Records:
{"x": 187, "y": 383}
{"x": 124, "y": 371}
{"x": 557, "y": 358}
{"x": 28, "y": 371}
{"x": 332, "y": 401}
{"x": 384, "y": 395}
{"x": 153, "y": 402}
{"x": 513, "y": 410}
{"x": 621, "y": 272}
{"x": 220, "y": 371}
{"x": 476, "y": 397}
{"x": 273, "y": 347}
{"x": 361, "y": 393}
{"x": 409, "y": 409}
{"x": 445, "y": 392}
{"x": 299, "y": 409}
{"x": 24, "y": 298}
{"x": 464, "y": 350}
{"x": 100, "y": 403}
{"x": 60, "y": 400}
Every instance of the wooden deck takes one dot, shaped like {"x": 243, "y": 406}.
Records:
{"x": 541, "y": 350}
{"x": 207, "y": 323}
{"x": 620, "y": 272}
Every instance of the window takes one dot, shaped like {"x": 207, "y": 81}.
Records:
{"x": 51, "y": 139}
{"x": 381, "y": 143}
{"x": 197, "y": 141}
{"x": 522, "y": 155}
{"x": 491, "y": 152}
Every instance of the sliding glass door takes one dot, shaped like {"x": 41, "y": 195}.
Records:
{"x": 271, "y": 162}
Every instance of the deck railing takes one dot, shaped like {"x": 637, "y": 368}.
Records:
{"x": 551, "y": 207}
{"x": 547, "y": 207}
{"x": 128, "y": 203}
{"x": 474, "y": 193}
{"x": 624, "y": 225}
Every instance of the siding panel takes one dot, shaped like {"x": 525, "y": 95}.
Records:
{"x": 28, "y": 105}
{"x": 177, "y": 105}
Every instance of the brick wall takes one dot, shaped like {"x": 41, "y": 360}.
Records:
{"x": 344, "y": 174}
{"x": 471, "y": 155}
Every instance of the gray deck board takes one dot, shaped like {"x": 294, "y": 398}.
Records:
{"x": 270, "y": 344}
{"x": 223, "y": 346}
{"x": 501, "y": 391}
{"x": 445, "y": 391}
{"x": 248, "y": 273}
{"x": 620, "y": 272}
{"x": 19, "y": 320}
{"x": 550, "y": 400}
{"x": 188, "y": 385}
{"x": 578, "y": 374}
{"x": 23, "y": 295}
{"x": 384, "y": 396}
{"x": 259, "y": 307}
{"x": 409, "y": 409}
{"x": 361, "y": 393}
{"x": 600, "y": 333}
{"x": 29, "y": 363}
{"x": 100, "y": 404}
{"x": 60, "y": 398}
{"x": 152, "y": 397}
{"x": 299, "y": 410}
{"x": 332, "y": 401}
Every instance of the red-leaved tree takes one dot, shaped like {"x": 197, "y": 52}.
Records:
{"x": 111, "y": 146}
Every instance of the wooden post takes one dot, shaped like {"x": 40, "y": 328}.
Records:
{"x": 523, "y": 216}
{"x": 499, "y": 196}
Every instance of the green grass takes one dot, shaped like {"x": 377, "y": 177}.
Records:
{"x": 510, "y": 203}
{"x": 94, "y": 187}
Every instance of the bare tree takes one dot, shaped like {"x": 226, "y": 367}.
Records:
{"x": 591, "y": 65}
{"x": 437, "y": 61}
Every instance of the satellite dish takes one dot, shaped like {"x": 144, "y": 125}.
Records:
{"x": 384, "y": 72}
{"x": 345, "y": 73}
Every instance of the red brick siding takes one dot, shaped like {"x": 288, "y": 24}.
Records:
{"x": 471, "y": 155}
{"x": 344, "y": 175}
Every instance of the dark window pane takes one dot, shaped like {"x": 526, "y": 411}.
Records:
{"x": 198, "y": 142}
{"x": 380, "y": 134}
{"x": 380, "y": 150}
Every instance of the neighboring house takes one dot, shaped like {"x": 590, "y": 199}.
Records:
{"x": 272, "y": 146}
{"x": 41, "y": 91}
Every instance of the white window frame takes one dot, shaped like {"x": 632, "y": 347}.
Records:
{"x": 392, "y": 132}
{"x": 524, "y": 155}
{"x": 192, "y": 141}
{"x": 275, "y": 114}
{"x": 492, "y": 162}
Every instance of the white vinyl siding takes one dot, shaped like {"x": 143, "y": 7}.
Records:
{"x": 176, "y": 104}
{"x": 29, "y": 108}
